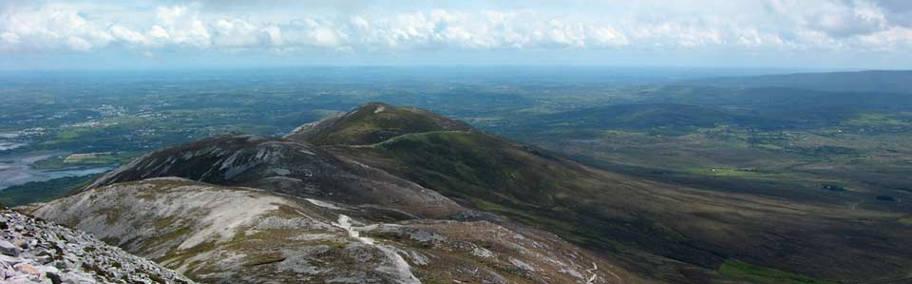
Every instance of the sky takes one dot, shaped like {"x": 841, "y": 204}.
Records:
{"x": 821, "y": 34}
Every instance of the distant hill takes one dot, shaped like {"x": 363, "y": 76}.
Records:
{"x": 775, "y": 107}
{"x": 860, "y": 81}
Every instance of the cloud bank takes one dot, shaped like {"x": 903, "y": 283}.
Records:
{"x": 289, "y": 28}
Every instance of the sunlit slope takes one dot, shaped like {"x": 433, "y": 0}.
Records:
{"x": 223, "y": 234}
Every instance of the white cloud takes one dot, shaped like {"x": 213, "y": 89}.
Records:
{"x": 235, "y": 33}
{"x": 78, "y": 44}
{"x": 184, "y": 27}
{"x": 591, "y": 25}
{"x": 848, "y": 20}
{"x": 274, "y": 35}
{"x": 158, "y": 33}
{"x": 129, "y": 36}
{"x": 50, "y": 27}
{"x": 891, "y": 39}
{"x": 9, "y": 38}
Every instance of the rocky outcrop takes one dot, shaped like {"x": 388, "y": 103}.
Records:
{"x": 35, "y": 251}
{"x": 286, "y": 167}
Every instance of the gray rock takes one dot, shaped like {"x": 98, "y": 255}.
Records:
{"x": 55, "y": 279}
{"x": 49, "y": 253}
{"x": 8, "y": 248}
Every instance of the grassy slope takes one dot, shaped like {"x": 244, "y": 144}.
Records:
{"x": 490, "y": 174}
{"x": 757, "y": 274}
{"x": 628, "y": 216}
{"x": 376, "y": 122}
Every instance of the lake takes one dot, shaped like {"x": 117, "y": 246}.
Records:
{"x": 16, "y": 169}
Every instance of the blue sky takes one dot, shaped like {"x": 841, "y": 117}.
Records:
{"x": 854, "y": 34}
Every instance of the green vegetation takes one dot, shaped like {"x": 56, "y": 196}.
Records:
{"x": 880, "y": 119}
{"x": 377, "y": 122}
{"x": 906, "y": 220}
{"x": 84, "y": 160}
{"x": 470, "y": 164}
{"x": 729, "y": 172}
{"x": 778, "y": 147}
{"x": 762, "y": 275}
{"x": 537, "y": 188}
{"x": 42, "y": 191}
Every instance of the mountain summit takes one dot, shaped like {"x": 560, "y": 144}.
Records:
{"x": 386, "y": 194}
{"x": 373, "y": 123}
{"x": 250, "y": 209}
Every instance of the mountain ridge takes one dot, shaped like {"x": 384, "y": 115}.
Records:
{"x": 571, "y": 199}
{"x": 374, "y": 223}
{"x": 397, "y": 182}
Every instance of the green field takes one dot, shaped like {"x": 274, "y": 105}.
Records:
{"x": 42, "y": 191}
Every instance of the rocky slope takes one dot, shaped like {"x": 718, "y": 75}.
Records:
{"x": 238, "y": 234}
{"x": 35, "y": 251}
{"x": 286, "y": 167}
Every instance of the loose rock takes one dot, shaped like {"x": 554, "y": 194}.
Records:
{"x": 35, "y": 251}
{"x": 8, "y": 248}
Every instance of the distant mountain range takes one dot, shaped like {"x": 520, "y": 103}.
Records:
{"x": 386, "y": 194}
